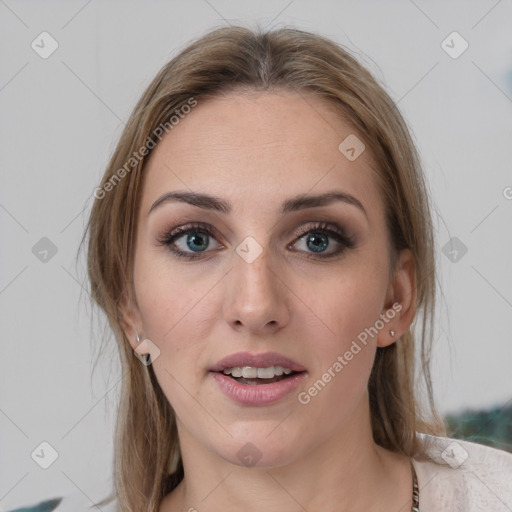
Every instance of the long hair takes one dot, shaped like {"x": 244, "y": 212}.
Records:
{"x": 147, "y": 461}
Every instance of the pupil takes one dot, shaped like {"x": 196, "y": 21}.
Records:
{"x": 198, "y": 239}
{"x": 319, "y": 242}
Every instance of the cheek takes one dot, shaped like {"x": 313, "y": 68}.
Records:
{"x": 349, "y": 309}
{"x": 167, "y": 298}
{"x": 346, "y": 353}
{"x": 173, "y": 313}
{"x": 349, "y": 301}
{"x": 178, "y": 311}
{"x": 336, "y": 394}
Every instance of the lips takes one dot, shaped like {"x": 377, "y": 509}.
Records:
{"x": 235, "y": 377}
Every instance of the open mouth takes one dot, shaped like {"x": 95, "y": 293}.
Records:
{"x": 257, "y": 379}
{"x": 254, "y": 376}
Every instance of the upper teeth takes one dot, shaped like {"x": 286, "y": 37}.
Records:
{"x": 251, "y": 372}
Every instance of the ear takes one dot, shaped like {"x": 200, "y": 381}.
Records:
{"x": 400, "y": 298}
{"x": 131, "y": 320}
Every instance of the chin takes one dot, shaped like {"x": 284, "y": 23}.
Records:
{"x": 259, "y": 449}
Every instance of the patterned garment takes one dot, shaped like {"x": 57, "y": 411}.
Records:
{"x": 415, "y": 491}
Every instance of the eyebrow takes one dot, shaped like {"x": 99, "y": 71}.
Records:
{"x": 300, "y": 202}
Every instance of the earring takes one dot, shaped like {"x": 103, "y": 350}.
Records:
{"x": 144, "y": 357}
{"x": 392, "y": 332}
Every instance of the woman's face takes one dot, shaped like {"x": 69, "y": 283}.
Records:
{"x": 267, "y": 276}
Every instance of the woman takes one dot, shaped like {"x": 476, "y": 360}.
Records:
{"x": 261, "y": 244}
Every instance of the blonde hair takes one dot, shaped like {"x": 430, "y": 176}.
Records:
{"x": 147, "y": 462}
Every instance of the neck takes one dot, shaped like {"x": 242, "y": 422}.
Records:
{"x": 345, "y": 472}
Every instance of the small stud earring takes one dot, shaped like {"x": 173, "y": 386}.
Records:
{"x": 392, "y": 332}
{"x": 138, "y": 338}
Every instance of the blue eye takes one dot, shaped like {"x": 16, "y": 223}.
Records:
{"x": 316, "y": 241}
{"x": 192, "y": 241}
{"x": 195, "y": 239}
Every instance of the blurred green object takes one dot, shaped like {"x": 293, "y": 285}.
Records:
{"x": 492, "y": 427}
{"x": 44, "y": 506}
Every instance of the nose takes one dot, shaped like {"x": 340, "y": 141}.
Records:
{"x": 257, "y": 299}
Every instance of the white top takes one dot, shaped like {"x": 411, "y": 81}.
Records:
{"x": 469, "y": 477}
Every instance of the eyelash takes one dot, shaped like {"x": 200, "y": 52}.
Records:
{"x": 333, "y": 231}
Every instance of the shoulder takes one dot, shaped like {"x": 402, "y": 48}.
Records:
{"x": 72, "y": 502}
{"x": 464, "y": 476}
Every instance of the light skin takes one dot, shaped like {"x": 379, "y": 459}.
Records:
{"x": 255, "y": 151}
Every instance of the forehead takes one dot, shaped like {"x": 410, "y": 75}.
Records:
{"x": 254, "y": 146}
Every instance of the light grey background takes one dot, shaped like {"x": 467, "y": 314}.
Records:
{"x": 62, "y": 116}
